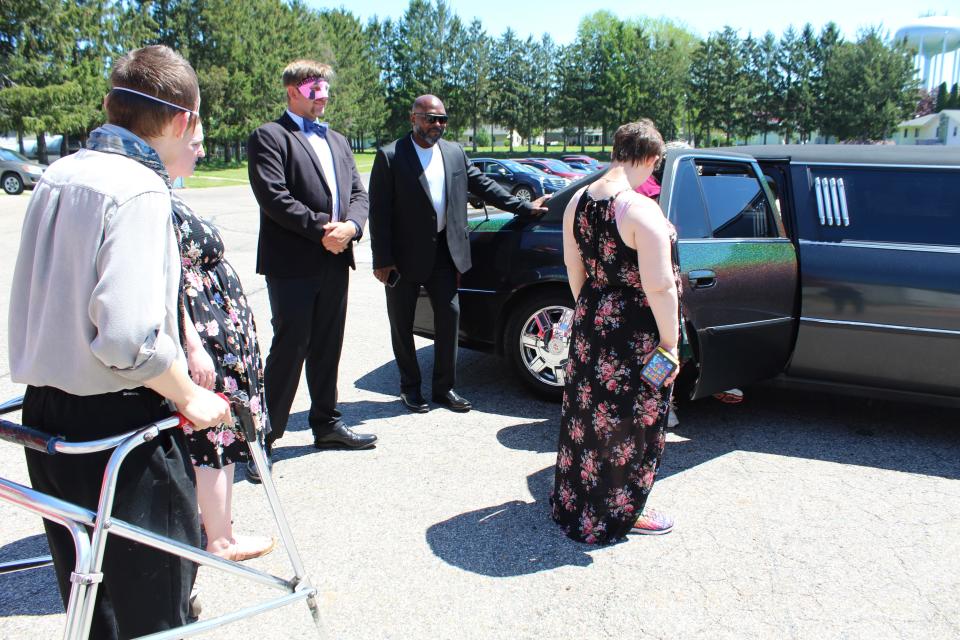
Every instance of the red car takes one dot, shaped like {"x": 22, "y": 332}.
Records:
{"x": 553, "y": 167}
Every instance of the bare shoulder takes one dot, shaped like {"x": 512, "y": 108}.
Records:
{"x": 644, "y": 215}
{"x": 574, "y": 200}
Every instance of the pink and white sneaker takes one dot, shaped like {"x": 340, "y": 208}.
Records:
{"x": 652, "y": 523}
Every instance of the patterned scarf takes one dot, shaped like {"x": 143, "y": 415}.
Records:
{"x": 113, "y": 139}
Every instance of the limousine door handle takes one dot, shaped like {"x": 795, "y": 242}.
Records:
{"x": 702, "y": 279}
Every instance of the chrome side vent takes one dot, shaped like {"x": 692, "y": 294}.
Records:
{"x": 831, "y": 202}
{"x": 835, "y": 199}
{"x": 843, "y": 202}
{"x": 819, "y": 189}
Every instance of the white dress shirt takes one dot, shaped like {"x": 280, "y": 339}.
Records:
{"x": 432, "y": 162}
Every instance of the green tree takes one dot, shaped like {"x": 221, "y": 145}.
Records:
{"x": 357, "y": 105}
{"x": 508, "y": 64}
{"x": 719, "y": 84}
{"x": 762, "y": 85}
{"x": 871, "y": 86}
{"x": 477, "y": 83}
{"x": 943, "y": 98}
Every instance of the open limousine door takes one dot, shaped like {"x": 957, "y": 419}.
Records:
{"x": 738, "y": 267}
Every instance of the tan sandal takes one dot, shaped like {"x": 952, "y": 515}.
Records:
{"x": 248, "y": 547}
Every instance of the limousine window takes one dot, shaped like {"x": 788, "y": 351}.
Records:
{"x": 737, "y": 203}
{"x": 721, "y": 200}
{"x": 691, "y": 213}
{"x": 891, "y": 205}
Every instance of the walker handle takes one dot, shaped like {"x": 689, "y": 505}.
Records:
{"x": 183, "y": 422}
{"x": 28, "y": 437}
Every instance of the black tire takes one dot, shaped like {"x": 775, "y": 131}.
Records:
{"x": 12, "y": 184}
{"x": 545, "y": 380}
{"x": 523, "y": 192}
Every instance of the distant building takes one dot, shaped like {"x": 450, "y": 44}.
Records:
{"x": 935, "y": 128}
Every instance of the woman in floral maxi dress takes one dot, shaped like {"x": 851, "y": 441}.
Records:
{"x": 220, "y": 341}
{"x": 620, "y": 253}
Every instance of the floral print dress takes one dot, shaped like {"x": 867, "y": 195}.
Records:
{"x": 215, "y": 303}
{"x": 612, "y": 425}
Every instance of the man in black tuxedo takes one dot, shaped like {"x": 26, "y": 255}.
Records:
{"x": 312, "y": 207}
{"x": 419, "y": 235}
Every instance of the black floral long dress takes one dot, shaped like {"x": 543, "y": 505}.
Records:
{"x": 218, "y": 309}
{"x": 612, "y": 426}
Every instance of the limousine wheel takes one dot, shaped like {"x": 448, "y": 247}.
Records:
{"x": 533, "y": 344}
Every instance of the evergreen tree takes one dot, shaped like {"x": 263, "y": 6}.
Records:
{"x": 871, "y": 86}
{"x": 477, "y": 83}
{"x": 943, "y": 98}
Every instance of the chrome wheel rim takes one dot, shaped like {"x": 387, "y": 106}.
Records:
{"x": 543, "y": 354}
{"x": 524, "y": 194}
{"x": 11, "y": 184}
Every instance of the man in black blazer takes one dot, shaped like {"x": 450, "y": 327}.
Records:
{"x": 312, "y": 207}
{"x": 419, "y": 235}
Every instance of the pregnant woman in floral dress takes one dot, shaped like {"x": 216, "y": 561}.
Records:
{"x": 220, "y": 341}
{"x": 620, "y": 254}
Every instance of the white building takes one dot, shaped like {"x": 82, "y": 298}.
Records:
{"x": 935, "y": 128}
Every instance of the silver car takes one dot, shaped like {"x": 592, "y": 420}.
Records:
{"x": 16, "y": 172}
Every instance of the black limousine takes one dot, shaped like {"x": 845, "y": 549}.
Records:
{"x": 829, "y": 267}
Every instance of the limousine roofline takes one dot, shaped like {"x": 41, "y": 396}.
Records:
{"x": 927, "y": 155}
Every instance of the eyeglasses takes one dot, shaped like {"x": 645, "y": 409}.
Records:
{"x": 433, "y": 118}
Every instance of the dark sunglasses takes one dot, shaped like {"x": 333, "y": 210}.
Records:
{"x": 433, "y": 118}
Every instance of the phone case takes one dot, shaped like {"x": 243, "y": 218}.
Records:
{"x": 659, "y": 368}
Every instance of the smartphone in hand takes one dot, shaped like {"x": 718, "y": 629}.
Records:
{"x": 660, "y": 367}
{"x": 393, "y": 278}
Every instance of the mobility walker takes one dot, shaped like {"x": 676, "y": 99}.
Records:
{"x": 89, "y": 529}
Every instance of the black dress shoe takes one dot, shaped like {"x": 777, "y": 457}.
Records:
{"x": 252, "y": 474}
{"x": 342, "y": 437}
{"x": 415, "y": 402}
{"x": 453, "y": 401}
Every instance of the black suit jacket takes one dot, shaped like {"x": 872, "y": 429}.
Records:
{"x": 403, "y": 222}
{"x": 295, "y": 200}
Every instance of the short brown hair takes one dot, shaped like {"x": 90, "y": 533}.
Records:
{"x": 635, "y": 142}
{"x": 299, "y": 70}
{"x": 158, "y": 71}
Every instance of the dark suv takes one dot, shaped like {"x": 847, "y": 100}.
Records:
{"x": 828, "y": 267}
{"x": 527, "y": 183}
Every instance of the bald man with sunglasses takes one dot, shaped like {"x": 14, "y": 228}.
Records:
{"x": 419, "y": 237}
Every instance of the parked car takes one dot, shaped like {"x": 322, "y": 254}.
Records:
{"x": 17, "y": 172}
{"x": 522, "y": 181}
{"x": 553, "y": 167}
{"x": 580, "y": 166}
{"x": 593, "y": 163}
{"x": 827, "y": 267}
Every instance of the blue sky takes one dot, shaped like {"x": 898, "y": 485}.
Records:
{"x": 561, "y": 17}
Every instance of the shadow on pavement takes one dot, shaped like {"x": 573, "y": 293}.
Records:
{"x": 911, "y": 438}
{"x": 510, "y": 539}
{"x": 32, "y": 592}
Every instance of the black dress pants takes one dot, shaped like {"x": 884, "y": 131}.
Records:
{"x": 143, "y": 590}
{"x": 309, "y": 317}
{"x": 441, "y": 287}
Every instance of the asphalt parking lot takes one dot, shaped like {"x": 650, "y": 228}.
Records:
{"x": 798, "y": 515}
